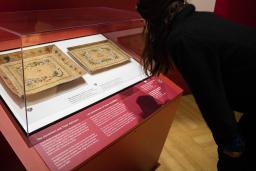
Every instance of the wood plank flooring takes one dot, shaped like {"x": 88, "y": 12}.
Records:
{"x": 189, "y": 146}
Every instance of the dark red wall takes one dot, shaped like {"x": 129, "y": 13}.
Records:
{"x": 17, "y": 5}
{"x": 241, "y": 11}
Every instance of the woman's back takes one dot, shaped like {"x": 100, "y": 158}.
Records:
{"x": 202, "y": 43}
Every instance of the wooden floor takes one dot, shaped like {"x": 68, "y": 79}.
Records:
{"x": 189, "y": 146}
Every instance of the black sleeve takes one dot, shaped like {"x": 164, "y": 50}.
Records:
{"x": 200, "y": 66}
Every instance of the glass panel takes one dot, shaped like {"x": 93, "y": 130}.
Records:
{"x": 12, "y": 76}
{"x": 95, "y": 19}
{"x": 17, "y": 5}
{"x": 67, "y": 62}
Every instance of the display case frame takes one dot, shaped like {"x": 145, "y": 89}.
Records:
{"x": 12, "y": 42}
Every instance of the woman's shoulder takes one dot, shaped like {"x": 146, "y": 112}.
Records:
{"x": 182, "y": 34}
{"x": 208, "y": 27}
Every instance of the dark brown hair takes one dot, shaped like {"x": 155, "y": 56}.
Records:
{"x": 158, "y": 16}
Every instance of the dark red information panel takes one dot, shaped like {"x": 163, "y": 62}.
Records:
{"x": 69, "y": 143}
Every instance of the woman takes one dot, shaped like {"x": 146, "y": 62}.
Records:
{"x": 216, "y": 57}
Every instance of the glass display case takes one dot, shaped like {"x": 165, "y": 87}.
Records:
{"x": 55, "y": 63}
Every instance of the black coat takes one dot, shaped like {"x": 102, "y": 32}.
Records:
{"x": 217, "y": 58}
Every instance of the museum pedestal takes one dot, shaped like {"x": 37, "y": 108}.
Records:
{"x": 137, "y": 149}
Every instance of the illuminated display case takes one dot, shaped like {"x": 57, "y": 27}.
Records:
{"x": 55, "y": 63}
{"x": 70, "y": 79}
